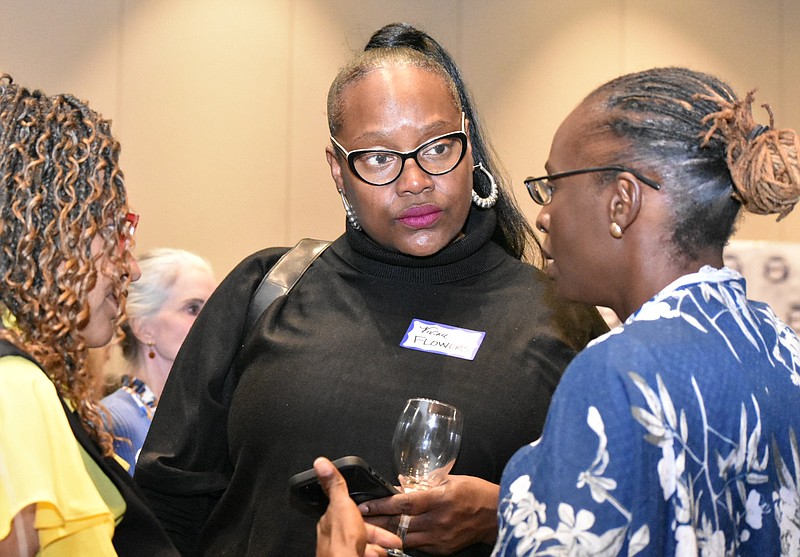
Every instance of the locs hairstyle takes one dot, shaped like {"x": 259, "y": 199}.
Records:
{"x": 701, "y": 140}
{"x": 60, "y": 188}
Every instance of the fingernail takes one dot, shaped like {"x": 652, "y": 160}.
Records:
{"x": 326, "y": 468}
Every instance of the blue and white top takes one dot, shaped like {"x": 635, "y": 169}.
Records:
{"x": 673, "y": 434}
{"x": 131, "y": 408}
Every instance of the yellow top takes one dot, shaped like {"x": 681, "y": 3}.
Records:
{"x": 41, "y": 462}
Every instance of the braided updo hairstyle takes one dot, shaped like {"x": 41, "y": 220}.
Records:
{"x": 60, "y": 188}
{"x": 691, "y": 130}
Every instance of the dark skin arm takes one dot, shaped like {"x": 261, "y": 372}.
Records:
{"x": 342, "y": 532}
{"x": 459, "y": 513}
{"x": 22, "y": 539}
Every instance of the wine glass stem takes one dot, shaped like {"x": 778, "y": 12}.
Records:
{"x": 402, "y": 528}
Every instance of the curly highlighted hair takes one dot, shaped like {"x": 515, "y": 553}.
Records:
{"x": 61, "y": 190}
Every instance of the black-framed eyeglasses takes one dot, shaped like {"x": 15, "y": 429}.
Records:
{"x": 380, "y": 167}
{"x": 541, "y": 191}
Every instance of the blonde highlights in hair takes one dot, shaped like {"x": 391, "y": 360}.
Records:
{"x": 60, "y": 189}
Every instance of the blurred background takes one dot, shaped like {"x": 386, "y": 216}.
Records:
{"x": 220, "y": 104}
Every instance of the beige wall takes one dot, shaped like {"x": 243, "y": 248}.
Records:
{"x": 220, "y": 105}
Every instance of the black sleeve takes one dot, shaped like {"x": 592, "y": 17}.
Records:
{"x": 580, "y": 324}
{"x": 183, "y": 467}
{"x": 139, "y": 533}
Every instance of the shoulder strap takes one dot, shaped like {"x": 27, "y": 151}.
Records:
{"x": 283, "y": 276}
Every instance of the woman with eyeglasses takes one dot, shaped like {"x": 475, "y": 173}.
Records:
{"x": 65, "y": 266}
{"x": 424, "y": 295}
{"x": 677, "y": 432}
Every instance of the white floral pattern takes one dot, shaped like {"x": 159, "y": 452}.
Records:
{"x": 725, "y": 461}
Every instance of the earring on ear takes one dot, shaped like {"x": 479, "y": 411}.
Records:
{"x": 152, "y": 353}
{"x": 351, "y": 215}
{"x": 615, "y": 230}
{"x": 488, "y": 201}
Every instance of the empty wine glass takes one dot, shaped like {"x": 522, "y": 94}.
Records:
{"x": 425, "y": 445}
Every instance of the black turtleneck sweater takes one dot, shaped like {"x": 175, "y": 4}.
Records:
{"x": 324, "y": 373}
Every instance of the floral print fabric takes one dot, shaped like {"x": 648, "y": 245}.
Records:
{"x": 674, "y": 434}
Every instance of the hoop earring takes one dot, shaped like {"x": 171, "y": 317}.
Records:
{"x": 488, "y": 201}
{"x": 615, "y": 230}
{"x": 351, "y": 215}
{"x": 152, "y": 353}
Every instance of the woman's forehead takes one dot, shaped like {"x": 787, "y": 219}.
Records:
{"x": 568, "y": 141}
{"x": 582, "y": 137}
{"x": 398, "y": 96}
{"x": 399, "y": 82}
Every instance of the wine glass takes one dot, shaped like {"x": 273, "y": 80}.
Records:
{"x": 425, "y": 445}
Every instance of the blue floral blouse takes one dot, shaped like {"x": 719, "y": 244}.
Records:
{"x": 673, "y": 434}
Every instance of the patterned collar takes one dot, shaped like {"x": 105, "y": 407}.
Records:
{"x": 707, "y": 274}
{"x": 140, "y": 390}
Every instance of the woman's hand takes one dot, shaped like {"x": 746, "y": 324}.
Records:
{"x": 342, "y": 532}
{"x": 450, "y": 517}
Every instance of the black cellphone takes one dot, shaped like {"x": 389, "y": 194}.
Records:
{"x": 363, "y": 482}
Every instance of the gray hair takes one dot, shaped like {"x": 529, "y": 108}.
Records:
{"x": 160, "y": 269}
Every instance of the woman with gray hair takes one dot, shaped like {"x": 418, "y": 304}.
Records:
{"x": 162, "y": 307}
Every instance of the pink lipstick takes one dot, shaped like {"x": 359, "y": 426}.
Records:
{"x": 420, "y": 216}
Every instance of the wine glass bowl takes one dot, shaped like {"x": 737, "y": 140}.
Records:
{"x": 425, "y": 445}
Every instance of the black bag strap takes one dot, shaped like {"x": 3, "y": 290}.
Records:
{"x": 283, "y": 276}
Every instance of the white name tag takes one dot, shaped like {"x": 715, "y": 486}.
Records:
{"x": 442, "y": 339}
